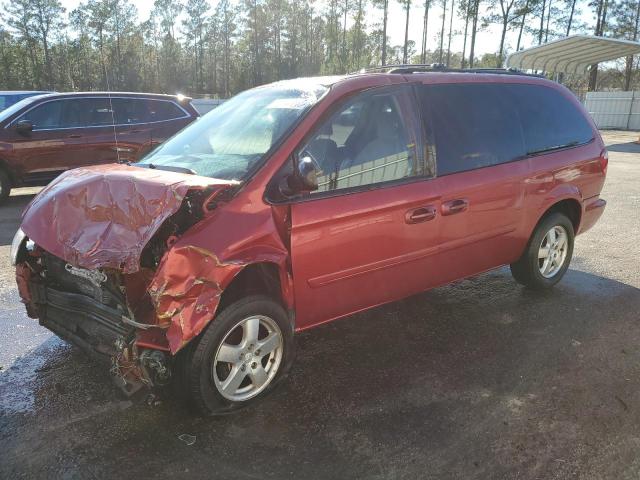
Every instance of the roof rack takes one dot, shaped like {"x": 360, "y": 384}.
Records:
{"x": 440, "y": 67}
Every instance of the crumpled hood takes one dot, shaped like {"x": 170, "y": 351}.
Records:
{"x": 104, "y": 216}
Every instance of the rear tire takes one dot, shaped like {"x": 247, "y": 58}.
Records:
{"x": 243, "y": 353}
{"x": 5, "y": 186}
{"x": 548, "y": 254}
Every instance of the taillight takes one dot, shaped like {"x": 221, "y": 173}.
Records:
{"x": 604, "y": 160}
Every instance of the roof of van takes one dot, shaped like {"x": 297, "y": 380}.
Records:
{"x": 440, "y": 68}
{"x": 398, "y": 70}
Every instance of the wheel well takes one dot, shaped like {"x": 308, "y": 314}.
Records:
{"x": 571, "y": 208}
{"x": 257, "y": 278}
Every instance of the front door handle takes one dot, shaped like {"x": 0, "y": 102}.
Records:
{"x": 452, "y": 207}
{"x": 74, "y": 135}
{"x": 421, "y": 214}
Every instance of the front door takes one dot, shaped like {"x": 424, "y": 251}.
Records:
{"x": 56, "y": 143}
{"x": 369, "y": 235}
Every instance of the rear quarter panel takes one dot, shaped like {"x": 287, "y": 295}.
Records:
{"x": 574, "y": 173}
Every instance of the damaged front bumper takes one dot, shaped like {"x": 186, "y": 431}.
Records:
{"x": 84, "y": 312}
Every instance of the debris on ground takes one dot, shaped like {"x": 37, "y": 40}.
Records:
{"x": 152, "y": 400}
{"x": 188, "y": 439}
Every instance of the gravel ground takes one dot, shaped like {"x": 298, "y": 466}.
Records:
{"x": 481, "y": 379}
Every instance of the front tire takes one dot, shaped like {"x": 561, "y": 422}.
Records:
{"x": 548, "y": 254}
{"x": 244, "y": 352}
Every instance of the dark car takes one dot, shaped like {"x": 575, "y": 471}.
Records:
{"x": 42, "y": 136}
{"x": 10, "y": 97}
{"x": 301, "y": 202}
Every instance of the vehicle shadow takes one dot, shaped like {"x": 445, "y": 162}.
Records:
{"x": 11, "y": 213}
{"x": 628, "y": 147}
{"x": 472, "y": 380}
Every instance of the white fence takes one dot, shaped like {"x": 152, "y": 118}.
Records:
{"x": 616, "y": 110}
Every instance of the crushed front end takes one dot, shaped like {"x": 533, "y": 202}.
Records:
{"x": 87, "y": 254}
{"x": 90, "y": 309}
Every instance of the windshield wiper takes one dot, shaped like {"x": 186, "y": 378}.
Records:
{"x": 551, "y": 149}
{"x": 168, "y": 168}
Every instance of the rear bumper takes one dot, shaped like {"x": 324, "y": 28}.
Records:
{"x": 593, "y": 210}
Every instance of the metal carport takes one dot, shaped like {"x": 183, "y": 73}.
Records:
{"x": 574, "y": 54}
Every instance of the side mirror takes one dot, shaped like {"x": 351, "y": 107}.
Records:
{"x": 24, "y": 126}
{"x": 303, "y": 179}
{"x": 308, "y": 173}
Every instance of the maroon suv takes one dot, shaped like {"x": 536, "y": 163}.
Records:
{"x": 42, "y": 136}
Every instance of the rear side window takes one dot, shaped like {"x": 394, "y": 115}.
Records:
{"x": 99, "y": 112}
{"x": 549, "y": 119}
{"x": 130, "y": 110}
{"x": 472, "y": 126}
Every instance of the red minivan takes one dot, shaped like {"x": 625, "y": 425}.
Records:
{"x": 300, "y": 202}
{"x": 44, "y": 135}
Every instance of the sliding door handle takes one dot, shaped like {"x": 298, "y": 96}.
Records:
{"x": 452, "y": 207}
{"x": 421, "y": 214}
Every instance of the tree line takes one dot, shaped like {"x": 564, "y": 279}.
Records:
{"x": 195, "y": 47}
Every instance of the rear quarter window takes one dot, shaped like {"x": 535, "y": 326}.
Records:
{"x": 164, "y": 110}
{"x": 549, "y": 119}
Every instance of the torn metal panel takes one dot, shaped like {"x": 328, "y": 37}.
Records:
{"x": 186, "y": 291}
{"x": 104, "y": 216}
{"x": 23, "y": 275}
{"x": 194, "y": 273}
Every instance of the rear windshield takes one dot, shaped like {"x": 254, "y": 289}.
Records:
{"x": 228, "y": 142}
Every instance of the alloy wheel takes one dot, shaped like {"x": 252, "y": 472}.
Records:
{"x": 553, "y": 251}
{"x": 248, "y": 358}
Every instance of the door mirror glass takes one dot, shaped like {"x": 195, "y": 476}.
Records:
{"x": 24, "y": 126}
{"x": 308, "y": 173}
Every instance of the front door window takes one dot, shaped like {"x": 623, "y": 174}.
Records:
{"x": 370, "y": 140}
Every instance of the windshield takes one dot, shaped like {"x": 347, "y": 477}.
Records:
{"x": 229, "y": 141}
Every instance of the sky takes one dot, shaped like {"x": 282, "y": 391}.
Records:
{"x": 487, "y": 40}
